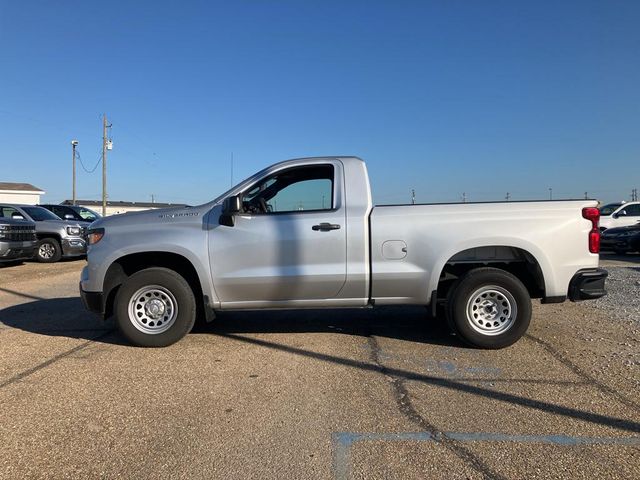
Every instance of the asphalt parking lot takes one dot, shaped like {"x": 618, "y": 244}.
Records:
{"x": 338, "y": 394}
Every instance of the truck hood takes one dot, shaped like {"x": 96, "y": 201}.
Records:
{"x": 15, "y": 222}
{"x": 159, "y": 216}
{"x": 52, "y": 225}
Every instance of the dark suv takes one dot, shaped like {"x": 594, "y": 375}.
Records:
{"x": 73, "y": 212}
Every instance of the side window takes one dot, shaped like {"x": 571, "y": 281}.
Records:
{"x": 297, "y": 189}
{"x": 7, "y": 212}
{"x": 633, "y": 210}
{"x": 58, "y": 211}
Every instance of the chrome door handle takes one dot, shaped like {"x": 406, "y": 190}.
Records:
{"x": 325, "y": 227}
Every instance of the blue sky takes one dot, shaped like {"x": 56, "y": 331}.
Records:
{"x": 445, "y": 97}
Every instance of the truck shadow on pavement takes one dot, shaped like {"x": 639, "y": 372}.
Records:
{"x": 67, "y": 317}
{"x": 59, "y": 317}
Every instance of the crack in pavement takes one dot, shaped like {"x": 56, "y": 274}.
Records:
{"x": 406, "y": 408}
{"x": 584, "y": 375}
{"x": 53, "y": 359}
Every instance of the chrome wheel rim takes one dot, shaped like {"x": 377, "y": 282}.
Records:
{"x": 153, "y": 309}
{"x": 46, "y": 250}
{"x": 491, "y": 310}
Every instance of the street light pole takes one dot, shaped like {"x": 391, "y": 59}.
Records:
{"x": 74, "y": 144}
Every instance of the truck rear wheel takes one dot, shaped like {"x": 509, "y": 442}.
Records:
{"x": 155, "y": 307}
{"x": 489, "y": 308}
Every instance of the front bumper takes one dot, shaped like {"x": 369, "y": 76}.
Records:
{"x": 73, "y": 247}
{"x": 93, "y": 301}
{"x": 587, "y": 284}
{"x": 10, "y": 251}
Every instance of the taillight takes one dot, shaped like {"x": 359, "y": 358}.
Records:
{"x": 593, "y": 214}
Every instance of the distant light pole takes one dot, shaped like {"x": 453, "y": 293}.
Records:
{"x": 550, "y": 193}
{"x": 413, "y": 197}
{"x": 74, "y": 144}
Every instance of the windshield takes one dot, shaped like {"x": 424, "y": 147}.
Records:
{"x": 87, "y": 214}
{"x": 39, "y": 214}
{"x": 609, "y": 209}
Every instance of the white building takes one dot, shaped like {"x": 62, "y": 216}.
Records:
{"x": 115, "y": 207}
{"x": 20, "y": 193}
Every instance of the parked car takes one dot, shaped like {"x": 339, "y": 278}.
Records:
{"x": 304, "y": 234}
{"x": 56, "y": 238}
{"x": 621, "y": 239}
{"x": 624, "y": 215}
{"x": 17, "y": 240}
{"x": 84, "y": 216}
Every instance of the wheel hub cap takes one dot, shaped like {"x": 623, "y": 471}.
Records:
{"x": 153, "y": 309}
{"x": 491, "y": 310}
{"x": 46, "y": 251}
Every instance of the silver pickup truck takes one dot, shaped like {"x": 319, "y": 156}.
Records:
{"x": 304, "y": 234}
{"x": 57, "y": 238}
{"x": 17, "y": 240}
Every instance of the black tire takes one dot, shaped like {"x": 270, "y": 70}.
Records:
{"x": 48, "y": 251}
{"x": 158, "y": 280}
{"x": 467, "y": 296}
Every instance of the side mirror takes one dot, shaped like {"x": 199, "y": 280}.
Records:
{"x": 17, "y": 216}
{"x": 68, "y": 216}
{"x": 621, "y": 213}
{"x": 230, "y": 207}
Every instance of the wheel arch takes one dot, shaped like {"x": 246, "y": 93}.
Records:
{"x": 125, "y": 266}
{"x": 519, "y": 261}
{"x": 44, "y": 235}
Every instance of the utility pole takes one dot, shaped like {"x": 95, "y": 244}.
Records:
{"x": 104, "y": 164}
{"x": 74, "y": 144}
{"x": 508, "y": 197}
{"x": 413, "y": 197}
{"x": 634, "y": 195}
{"x": 152, "y": 198}
{"x": 586, "y": 195}
{"x": 464, "y": 197}
{"x": 550, "y": 193}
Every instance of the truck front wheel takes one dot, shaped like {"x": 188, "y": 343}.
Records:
{"x": 155, "y": 307}
{"x": 48, "y": 250}
{"x": 489, "y": 308}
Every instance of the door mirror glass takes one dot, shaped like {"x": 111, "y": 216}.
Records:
{"x": 231, "y": 205}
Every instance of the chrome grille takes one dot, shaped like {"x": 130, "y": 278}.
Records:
{"x": 18, "y": 233}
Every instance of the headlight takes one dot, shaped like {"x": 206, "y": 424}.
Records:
{"x": 94, "y": 235}
{"x": 74, "y": 231}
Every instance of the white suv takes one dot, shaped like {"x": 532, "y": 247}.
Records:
{"x": 619, "y": 215}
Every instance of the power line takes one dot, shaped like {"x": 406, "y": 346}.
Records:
{"x": 83, "y": 165}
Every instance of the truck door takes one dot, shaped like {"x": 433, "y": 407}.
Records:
{"x": 287, "y": 244}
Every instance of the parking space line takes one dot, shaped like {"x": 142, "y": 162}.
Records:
{"x": 343, "y": 442}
